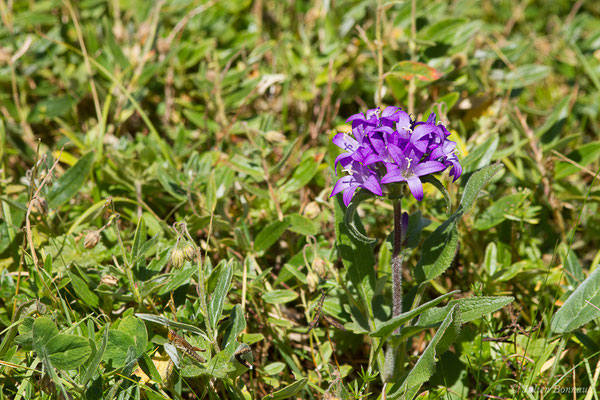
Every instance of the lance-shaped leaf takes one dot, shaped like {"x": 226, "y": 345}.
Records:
{"x": 352, "y": 222}
{"x": 357, "y": 256}
{"x": 69, "y": 184}
{"x": 581, "y": 307}
{"x": 425, "y": 366}
{"x": 387, "y": 328}
{"x": 471, "y": 308}
{"x": 440, "y": 247}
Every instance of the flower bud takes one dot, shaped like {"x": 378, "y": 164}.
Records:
{"x": 91, "y": 239}
{"x": 319, "y": 267}
{"x": 312, "y": 210}
{"x": 177, "y": 257}
{"x": 312, "y": 280}
{"x": 188, "y": 252}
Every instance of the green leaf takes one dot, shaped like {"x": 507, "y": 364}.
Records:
{"x": 172, "y": 324}
{"x": 135, "y": 328}
{"x": 69, "y": 184}
{"x": 236, "y": 327}
{"x": 471, "y": 308}
{"x": 68, "y": 352}
{"x": 582, "y": 157}
{"x": 358, "y": 257}
{"x": 582, "y": 306}
{"x": 302, "y": 175}
{"x": 443, "y": 31}
{"x": 211, "y": 192}
{"x": 302, "y": 225}
{"x": 83, "y": 291}
{"x": 279, "y": 296}
{"x": 352, "y": 221}
{"x": 93, "y": 366}
{"x": 270, "y": 234}
{"x": 425, "y": 365}
{"x": 273, "y": 368}
{"x": 138, "y": 239}
{"x": 571, "y": 265}
{"x": 496, "y": 213}
{"x": 440, "y": 187}
{"x": 288, "y": 391}
{"x": 413, "y": 69}
{"x": 43, "y": 331}
{"x": 387, "y": 328}
{"x": 217, "y": 299}
{"x": 524, "y": 75}
{"x": 118, "y": 344}
{"x": 440, "y": 247}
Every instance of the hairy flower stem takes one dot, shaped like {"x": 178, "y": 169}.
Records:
{"x": 397, "y": 262}
{"x": 392, "y": 364}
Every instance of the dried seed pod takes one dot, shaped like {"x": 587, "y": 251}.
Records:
{"x": 109, "y": 280}
{"x": 319, "y": 267}
{"x": 91, "y": 239}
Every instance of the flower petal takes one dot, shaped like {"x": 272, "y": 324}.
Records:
{"x": 393, "y": 176}
{"x": 428, "y": 167}
{"x": 372, "y": 184}
{"x": 342, "y": 184}
{"x": 416, "y": 187}
{"x": 345, "y": 141}
{"x": 348, "y": 194}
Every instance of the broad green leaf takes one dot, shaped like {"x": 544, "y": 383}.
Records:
{"x": 237, "y": 324}
{"x": 387, "y": 328}
{"x": 358, "y": 257}
{"x": 425, "y": 365}
{"x": 217, "y": 298}
{"x": 135, "y": 328}
{"x": 440, "y": 247}
{"x": 270, "y": 234}
{"x": 68, "y": 351}
{"x": 119, "y": 343}
{"x": 288, "y": 391}
{"x": 43, "y": 331}
{"x": 352, "y": 221}
{"x": 274, "y": 368}
{"x": 413, "y": 69}
{"x": 496, "y": 213}
{"x": 582, "y": 306}
{"x": 481, "y": 155}
{"x": 179, "y": 278}
{"x": 279, "y": 296}
{"x": 69, "y": 184}
{"x": 440, "y": 187}
{"x": 471, "y": 308}
{"x": 302, "y": 225}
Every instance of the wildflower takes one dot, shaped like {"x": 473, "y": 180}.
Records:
{"x": 388, "y": 147}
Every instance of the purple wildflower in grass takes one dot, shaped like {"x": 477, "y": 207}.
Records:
{"x": 387, "y": 147}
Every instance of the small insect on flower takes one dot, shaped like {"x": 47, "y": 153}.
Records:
{"x": 185, "y": 347}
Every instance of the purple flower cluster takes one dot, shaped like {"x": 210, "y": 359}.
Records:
{"x": 386, "y": 147}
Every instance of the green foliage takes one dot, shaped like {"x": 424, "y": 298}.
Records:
{"x": 205, "y": 128}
